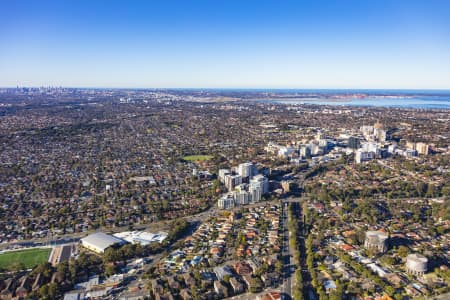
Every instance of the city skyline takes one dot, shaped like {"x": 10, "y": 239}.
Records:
{"x": 325, "y": 44}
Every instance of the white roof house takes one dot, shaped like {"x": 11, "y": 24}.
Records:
{"x": 99, "y": 242}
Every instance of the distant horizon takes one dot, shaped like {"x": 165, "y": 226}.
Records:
{"x": 234, "y": 88}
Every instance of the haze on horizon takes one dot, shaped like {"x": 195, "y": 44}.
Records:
{"x": 402, "y": 44}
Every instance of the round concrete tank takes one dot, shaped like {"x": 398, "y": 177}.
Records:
{"x": 416, "y": 264}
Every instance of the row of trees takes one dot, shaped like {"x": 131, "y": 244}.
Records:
{"x": 293, "y": 225}
{"x": 310, "y": 264}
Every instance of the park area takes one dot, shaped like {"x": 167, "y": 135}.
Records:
{"x": 197, "y": 157}
{"x": 23, "y": 259}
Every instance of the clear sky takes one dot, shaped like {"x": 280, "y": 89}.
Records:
{"x": 226, "y": 43}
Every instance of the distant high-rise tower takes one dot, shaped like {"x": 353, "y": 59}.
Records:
{"x": 223, "y": 173}
{"x": 422, "y": 148}
{"x": 261, "y": 182}
{"x": 246, "y": 169}
{"x": 379, "y": 132}
{"x": 353, "y": 142}
{"x": 231, "y": 181}
{"x": 378, "y": 125}
{"x": 319, "y": 135}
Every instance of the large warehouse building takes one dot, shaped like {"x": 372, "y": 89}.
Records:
{"x": 99, "y": 242}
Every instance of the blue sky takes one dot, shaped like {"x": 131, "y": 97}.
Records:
{"x": 226, "y": 44}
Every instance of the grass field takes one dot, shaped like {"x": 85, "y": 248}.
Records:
{"x": 197, "y": 157}
{"x": 28, "y": 258}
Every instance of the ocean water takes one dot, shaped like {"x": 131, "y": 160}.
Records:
{"x": 379, "y": 98}
{"x": 377, "y": 102}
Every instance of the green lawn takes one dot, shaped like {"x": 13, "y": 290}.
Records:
{"x": 197, "y": 157}
{"x": 29, "y": 258}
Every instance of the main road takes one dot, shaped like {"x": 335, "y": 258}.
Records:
{"x": 75, "y": 237}
{"x": 287, "y": 254}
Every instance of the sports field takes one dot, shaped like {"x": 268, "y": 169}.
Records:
{"x": 28, "y": 258}
{"x": 197, "y": 157}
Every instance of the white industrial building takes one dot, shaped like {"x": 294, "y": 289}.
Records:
{"x": 141, "y": 237}
{"x": 98, "y": 242}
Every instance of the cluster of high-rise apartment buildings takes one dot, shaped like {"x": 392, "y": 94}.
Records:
{"x": 370, "y": 149}
{"x": 374, "y": 145}
{"x": 244, "y": 185}
{"x": 318, "y": 146}
{"x": 421, "y": 148}
{"x": 371, "y": 142}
